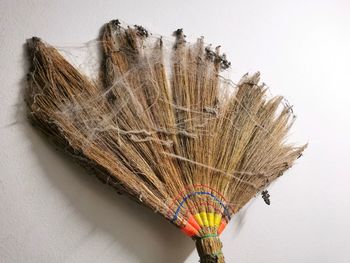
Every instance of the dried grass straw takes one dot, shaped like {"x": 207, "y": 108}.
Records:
{"x": 172, "y": 134}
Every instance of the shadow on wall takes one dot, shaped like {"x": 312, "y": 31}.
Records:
{"x": 137, "y": 229}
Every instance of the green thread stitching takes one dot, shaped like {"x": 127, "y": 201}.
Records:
{"x": 218, "y": 253}
{"x": 208, "y": 236}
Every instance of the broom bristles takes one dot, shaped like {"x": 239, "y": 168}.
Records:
{"x": 172, "y": 134}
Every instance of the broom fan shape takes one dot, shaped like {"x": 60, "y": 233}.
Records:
{"x": 165, "y": 129}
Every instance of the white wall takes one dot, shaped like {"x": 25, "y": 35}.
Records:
{"x": 51, "y": 211}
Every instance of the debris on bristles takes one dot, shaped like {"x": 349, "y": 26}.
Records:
{"x": 163, "y": 127}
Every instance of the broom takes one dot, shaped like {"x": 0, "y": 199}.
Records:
{"x": 165, "y": 128}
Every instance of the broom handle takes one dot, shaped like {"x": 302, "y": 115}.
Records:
{"x": 209, "y": 249}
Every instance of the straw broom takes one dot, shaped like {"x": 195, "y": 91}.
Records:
{"x": 171, "y": 133}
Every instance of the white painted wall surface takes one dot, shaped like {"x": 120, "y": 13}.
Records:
{"x": 51, "y": 211}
